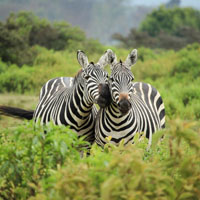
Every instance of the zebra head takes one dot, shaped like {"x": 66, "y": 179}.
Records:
{"x": 95, "y": 78}
{"x": 121, "y": 86}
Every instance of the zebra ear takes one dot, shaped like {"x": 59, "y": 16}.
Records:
{"x": 131, "y": 59}
{"x": 82, "y": 59}
{"x": 109, "y": 57}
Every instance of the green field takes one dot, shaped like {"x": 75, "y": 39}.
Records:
{"x": 38, "y": 166}
{"x": 57, "y": 165}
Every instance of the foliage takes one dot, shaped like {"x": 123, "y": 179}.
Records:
{"x": 34, "y": 165}
{"x": 170, "y": 20}
{"x": 50, "y": 166}
{"x": 27, "y": 155}
{"x": 13, "y": 79}
{"x": 188, "y": 62}
{"x": 98, "y": 18}
{"x": 165, "y": 28}
{"x": 47, "y": 64}
{"x": 13, "y": 47}
{"x": 22, "y": 31}
{"x": 174, "y": 74}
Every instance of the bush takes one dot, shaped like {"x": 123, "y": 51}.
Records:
{"x": 170, "y": 170}
{"x": 3, "y": 66}
{"x": 28, "y": 155}
{"x": 17, "y": 80}
{"x": 188, "y": 61}
{"x": 90, "y": 46}
{"x": 47, "y": 64}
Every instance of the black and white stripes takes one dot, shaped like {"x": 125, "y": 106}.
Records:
{"x": 135, "y": 108}
{"x": 70, "y": 101}
{"x": 126, "y": 107}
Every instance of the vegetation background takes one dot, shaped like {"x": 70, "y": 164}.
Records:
{"x": 38, "y": 166}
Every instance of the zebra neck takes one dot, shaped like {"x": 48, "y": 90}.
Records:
{"x": 80, "y": 101}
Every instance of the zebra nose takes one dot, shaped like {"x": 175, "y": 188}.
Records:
{"x": 104, "y": 95}
{"x": 124, "y": 106}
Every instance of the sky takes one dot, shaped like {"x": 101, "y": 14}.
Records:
{"x": 193, "y": 3}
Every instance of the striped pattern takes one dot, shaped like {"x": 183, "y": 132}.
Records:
{"x": 70, "y": 101}
{"x": 135, "y": 108}
{"x": 63, "y": 102}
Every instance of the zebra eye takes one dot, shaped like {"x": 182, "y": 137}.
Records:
{"x": 86, "y": 76}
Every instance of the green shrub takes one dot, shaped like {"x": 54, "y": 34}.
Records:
{"x": 173, "y": 106}
{"x": 27, "y": 155}
{"x": 170, "y": 170}
{"x": 188, "y": 94}
{"x": 188, "y": 61}
{"x": 153, "y": 65}
{"x": 3, "y": 67}
{"x": 17, "y": 80}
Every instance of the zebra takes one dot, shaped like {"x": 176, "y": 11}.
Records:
{"x": 70, "y": 101}
{"x": 135, "y": 107}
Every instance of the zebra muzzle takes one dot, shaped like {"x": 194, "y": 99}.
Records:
{"x": 124, "y": 106}
{"x": 104, "y": 96}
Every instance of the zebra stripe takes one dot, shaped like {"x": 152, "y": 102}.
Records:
{"x": 70, "y": 101}
{"x": 135, "y": 108}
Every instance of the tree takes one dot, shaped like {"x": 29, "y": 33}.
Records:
{"x": 165, "y": 28}
{"x": 24, "y": 30}
{"x": 169, "y": 20}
